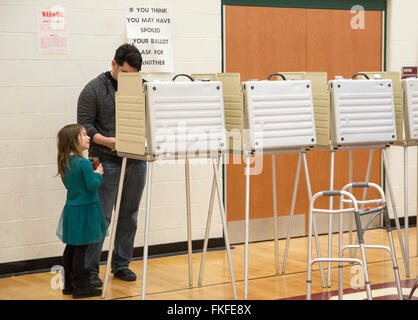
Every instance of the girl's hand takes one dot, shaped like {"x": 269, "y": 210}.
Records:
{"x": 99, "y": 169}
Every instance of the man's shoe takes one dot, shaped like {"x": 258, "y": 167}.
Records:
{"x": 126, "y": 275}
{"x": 88, "y": 292}
{"x": 95, "y": 281}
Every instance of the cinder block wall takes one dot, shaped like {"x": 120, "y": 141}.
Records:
{"x": 402, "y": 50}
{"x": 39, "y": 96}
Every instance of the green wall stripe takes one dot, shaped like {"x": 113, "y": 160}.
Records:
{"x": 372, "y": 5}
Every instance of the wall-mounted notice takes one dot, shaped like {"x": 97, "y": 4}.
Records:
{"x": 52, "y": 30}
{"x": 409, "y": 72}
{"x": 148, "y": 27}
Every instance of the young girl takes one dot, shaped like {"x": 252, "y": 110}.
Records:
{"x": 82, "y": 221}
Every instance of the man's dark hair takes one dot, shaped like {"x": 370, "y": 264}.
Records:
{"x": 130, "y": 54}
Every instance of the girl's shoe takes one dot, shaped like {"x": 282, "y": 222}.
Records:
{"x": 67, "y": 291}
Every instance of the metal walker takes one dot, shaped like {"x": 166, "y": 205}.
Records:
{"x": 354, "y": 209}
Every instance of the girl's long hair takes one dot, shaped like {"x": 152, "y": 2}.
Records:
{"x": 67, "y": 143}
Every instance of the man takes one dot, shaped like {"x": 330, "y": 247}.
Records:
{"x": 96, "y": 112}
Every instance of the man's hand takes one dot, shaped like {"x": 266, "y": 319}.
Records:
{"x": 105, "y": 141}
{"x": 110, "y": 143}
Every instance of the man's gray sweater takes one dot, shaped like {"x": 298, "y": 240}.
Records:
{"x": 96, "y": 112}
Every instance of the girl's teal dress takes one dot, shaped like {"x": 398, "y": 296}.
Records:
{"x": 82, "y": 220}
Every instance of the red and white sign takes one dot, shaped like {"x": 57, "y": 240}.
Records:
{"x": 52, "y": 30}
{"x": 409, "y": 72}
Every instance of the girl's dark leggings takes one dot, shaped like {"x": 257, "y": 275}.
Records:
{"x": 76, "y": 275}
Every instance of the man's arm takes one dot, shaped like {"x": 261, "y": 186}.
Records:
{"x": 86, "y": 110}
{"x": 86, "y": 116}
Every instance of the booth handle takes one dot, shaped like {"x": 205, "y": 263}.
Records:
{"x": 360, "y": 74}
{"x": 184, "y": 75}
{"x": 276, "y": 74}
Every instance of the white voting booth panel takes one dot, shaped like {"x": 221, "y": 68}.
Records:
{"x": 279, "y": 114}
{"x": 397, "y": 98}
{"x": 320, "y": 96}
{"x": 410, "y": 87}
{"x": 362, "y": 111}
{"x": 174, "y": 118}
{"x": 233, "y": 106}
{"x": 185, "y": 117}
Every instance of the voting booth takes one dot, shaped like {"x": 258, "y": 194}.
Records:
{"x": 362, "y": 112}
{"x": 410, "y": 103}
{"x": 410, "y": 93}
{"x": 267, "y": 117}
{"x": 405, "y": 100}
{"x": 165, "y": 120}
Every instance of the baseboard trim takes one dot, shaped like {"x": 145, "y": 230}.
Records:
{"x": 15, "y": 268}
{"x": 412, "y": 221}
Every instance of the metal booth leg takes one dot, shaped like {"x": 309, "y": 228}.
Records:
{"x": 206, "y": 240}
{"x": 369, "y": 167}
{"x": 405, "y": 192}
{"x": 331, "y": 187}
{"x": 292, "y": 210}
{"x": 225, "y": 227}
{"x": 386, "y": 223}
{"x": 276, "y": 236}
{"x": 189, "y": 222}
{"x": 350, "y": 180}
{"x": 302, "y": 156}
{"x": 395, "y": 212}
{"x": 146, "y": 232}
{"x": 309, "y": 262}
{"x": 114, "y": 226}
{"x": 318, "y": 248}
{"x": 247, "y": 221}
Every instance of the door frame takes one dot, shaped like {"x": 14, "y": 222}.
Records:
{"x": 368, "y": 5}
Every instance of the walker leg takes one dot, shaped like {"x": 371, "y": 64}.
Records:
{"x": 395, "y": 266}
{"x": 114, "y": 226}
{"x": 206, "y": 240}
{"x": 395, "y": 212}
{"x": 369, "y": 166}
{"x": 309, "y": 272}
{"x": 247, "y": 218}
{"x": 360, "y": 234}
{"x": 146, "y": 231}
{"x": 225, "y": 227}
{"x": 276, "y": 237}
{"x": 366, "y": 272}
{"x": 340, "y": 264}
{"x": 189, "y": 222}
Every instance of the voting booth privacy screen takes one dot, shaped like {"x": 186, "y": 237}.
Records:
{"x": 410, "y": 87}
{"x": 185, "y": 117}
{"x": 279, "y": 114}
{"x": 362, "y": 111}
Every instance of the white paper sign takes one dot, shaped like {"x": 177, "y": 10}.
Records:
{"x": 148, "y": 27}
{"x": 52, "y": 30}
